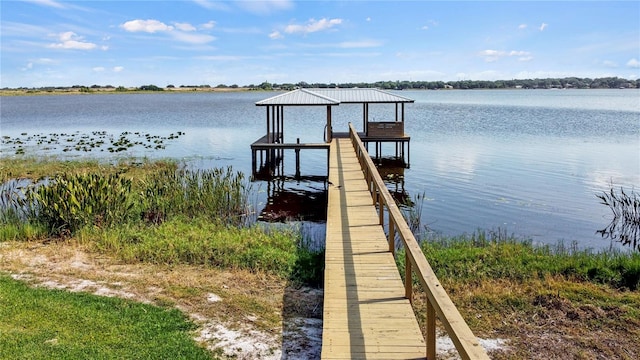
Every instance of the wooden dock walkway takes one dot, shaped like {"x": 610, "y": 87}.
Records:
{"x": 366, "y": 313}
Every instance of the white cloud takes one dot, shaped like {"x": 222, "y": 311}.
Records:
{"x": 70, "y": 40}
{"x": 275, "y": 35}
{"x": 184, "y": 26}
{"x": 209, "y": 25}
{"x": 43, "y": 61}
{"x": 522, "y": 26}
{"x": 312, "y": 26}
{"x": 148, "y": 26}
{"x": 368, "y": 19}
{"x": 180, "y": 31}
{"x": 118, "y": 69}
{"x": 495, "y": 55}
{"x": 543, "y": 26}
{"x": 491, "y": 55}
{"x": 633, "y": 63}
{"x": 610, "y": 64}
{"x": 49, "y": 3}
{"x": 192, "y": 38}
{"x": 98, "y": 69}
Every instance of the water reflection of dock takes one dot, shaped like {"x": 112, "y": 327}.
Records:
{"x": 295, "y": 199}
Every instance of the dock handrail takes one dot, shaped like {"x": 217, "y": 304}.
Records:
{"x": 438, "y": 301}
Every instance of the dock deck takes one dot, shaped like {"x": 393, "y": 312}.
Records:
{"x": 366, "y": 313}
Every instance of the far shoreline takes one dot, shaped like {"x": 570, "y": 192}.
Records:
{"x": 75, "y": 91}
{"x": 91, "y": 91}
{"x": 567, "y": 83}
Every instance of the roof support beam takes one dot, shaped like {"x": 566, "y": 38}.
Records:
{"x": 329, "y": 126}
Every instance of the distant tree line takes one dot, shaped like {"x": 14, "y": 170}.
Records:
{"x": 548, "y": 83}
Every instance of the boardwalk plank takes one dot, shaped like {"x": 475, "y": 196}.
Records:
{"x": 366, "y": 315}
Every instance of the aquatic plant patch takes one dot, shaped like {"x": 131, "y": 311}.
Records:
{"x": 77, "y": 142}
{"x": 69, "y": 202}
{"x": 625, "y": 223}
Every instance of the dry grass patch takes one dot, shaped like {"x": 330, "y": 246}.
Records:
{"x": 553, "y": 318}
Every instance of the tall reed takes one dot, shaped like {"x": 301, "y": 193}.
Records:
{"x": 217, "y": 194}
{"x": 625, "y": 224}
{"x": 68, "y": 202}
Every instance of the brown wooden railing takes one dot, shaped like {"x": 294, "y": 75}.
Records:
{"x": 438, "y": 302}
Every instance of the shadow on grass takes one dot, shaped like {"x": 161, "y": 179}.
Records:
{"x": 302, "y": 307}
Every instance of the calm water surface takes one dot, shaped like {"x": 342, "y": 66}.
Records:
{"x": 528, "y": 161}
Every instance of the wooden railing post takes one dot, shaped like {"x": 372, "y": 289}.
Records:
{"x": 438, "y": 302}
{"x": 392, "y": 235}
{"x": 408, "y": 278}
{"x": 431, "y": 331}
{"x": 381, "y": 205}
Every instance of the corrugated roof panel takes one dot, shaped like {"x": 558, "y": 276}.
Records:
{"x": 363, "y": 95}
{"x": 334, "y": 97}
{"x": 298, "y": 97}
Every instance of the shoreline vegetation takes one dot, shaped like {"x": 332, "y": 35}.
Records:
{"x": 159, "y": 219}
{"x": 547, "y": 83}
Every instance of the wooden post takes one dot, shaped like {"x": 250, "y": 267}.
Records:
{"x": 392, "y": 235}
{"x": 268, "y": 125}
{"x": 381, "y": 206}
{"x": 431, "y": 331}
{"x": 277, "y": 124}
{"x": 408, "y": 278}
{"x": 297, "y": 160}
{"x": 365, "y": 118}
{"x": 282, "y": 124}
{"x": 374, "y": 194}
{"x": 328, "y": 158}
{"x": 396, "y": 112}
{"x": 329, "y": 126}
{"x": 253, "y": 162}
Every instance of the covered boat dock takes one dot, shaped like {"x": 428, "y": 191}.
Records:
{"x": 270, "y": 147}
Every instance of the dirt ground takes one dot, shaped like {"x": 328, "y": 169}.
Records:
{"x": 243, "y": 315}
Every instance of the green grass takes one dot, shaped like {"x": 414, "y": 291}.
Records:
{"x": 202, "y": 242}
{"x": 55, "y": 324}
{"x": 198, "y": 242}
{"x": 155, "y": 213}
{"x": 507, "y": 288}
{"x": 482, "y": 256}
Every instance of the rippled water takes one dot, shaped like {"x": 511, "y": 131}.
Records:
{"x": 528, "y": 161}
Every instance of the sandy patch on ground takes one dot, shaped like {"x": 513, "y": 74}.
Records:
{"x": 223, "y": 328}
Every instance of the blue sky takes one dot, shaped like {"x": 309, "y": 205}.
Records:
{"x": 207, "y": 42}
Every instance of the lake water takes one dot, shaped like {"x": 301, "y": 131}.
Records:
{"x": 528, "y": 162}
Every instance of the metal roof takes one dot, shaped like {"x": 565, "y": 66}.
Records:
{"x": 299, "y": 97}
{"x": 334, "y": 97}
{"x": 363, "y": 95}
